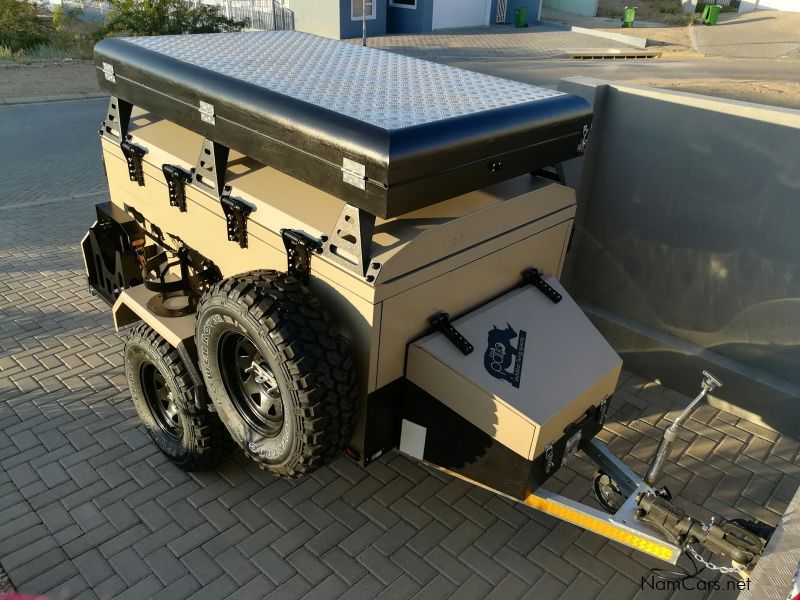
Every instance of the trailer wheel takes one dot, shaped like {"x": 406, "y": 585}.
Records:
{"x": 160, "y": 387}
{"x": 282, "y": 379}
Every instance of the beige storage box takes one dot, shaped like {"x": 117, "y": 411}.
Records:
{"x": 537, "y": 367}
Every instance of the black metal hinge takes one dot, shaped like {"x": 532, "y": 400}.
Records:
{"x": 441, "y": 323}
{"x": 177, "y": 179}
{"x": 133, "y": 156}
{"x": 534, "y": 278}
{"x": 299, "y": 248}
{"x": 236, "y": 214}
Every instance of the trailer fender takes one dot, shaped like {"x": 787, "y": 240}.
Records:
{"x": 131, "y": 307}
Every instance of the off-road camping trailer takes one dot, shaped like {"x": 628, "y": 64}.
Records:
{"x": 325, "y": 248}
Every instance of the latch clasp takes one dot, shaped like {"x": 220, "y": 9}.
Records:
{"x": 236, "y": 214}
{"x": 177, "y": 179}
{"x": 441, "y": 322}
{"x": 299, "y": 248}
{"x": 534, "y": 278}
{"x": 133, "y": 156}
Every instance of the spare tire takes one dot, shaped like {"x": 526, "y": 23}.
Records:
{"x": 281, "y": 377}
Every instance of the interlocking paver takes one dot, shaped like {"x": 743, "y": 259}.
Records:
{"x": 93, "y": 567}
{"x": 237, "y": 565}
{"x": 256, "y": 588}
{"x": 309, "y": 565}
{"x": 201, "y": 566}
{"x": 775, "y": 36}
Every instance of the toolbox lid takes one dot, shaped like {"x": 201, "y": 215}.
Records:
{"x": 536, "y": 367}
{"x": 373, "y": 128}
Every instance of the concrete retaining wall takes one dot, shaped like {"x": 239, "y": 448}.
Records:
{"x": 687, "y": 252}
{"x": 320, "y": 17}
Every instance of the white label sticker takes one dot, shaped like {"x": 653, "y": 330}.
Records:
{"x": 412, "y": 439}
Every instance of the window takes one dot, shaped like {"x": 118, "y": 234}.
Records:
{"x": 362, "y": 7}
{"x": 403, "y": 3}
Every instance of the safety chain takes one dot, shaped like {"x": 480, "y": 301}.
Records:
{"x": 709, "y": 565}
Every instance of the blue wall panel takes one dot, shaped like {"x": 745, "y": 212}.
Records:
{"x": 410, "y": 20}
{"x": 352, "y": 29}
{"x": 533, "y": 9}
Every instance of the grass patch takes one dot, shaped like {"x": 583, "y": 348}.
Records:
{"x": 681, "y": 19}
{"x": 59, "y": 50}
{"x": 673, "y": 7}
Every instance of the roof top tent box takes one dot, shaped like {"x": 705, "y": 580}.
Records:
{"x": 386, "y": 133}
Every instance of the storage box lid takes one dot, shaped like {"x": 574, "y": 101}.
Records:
{"x": 373, "y": 128}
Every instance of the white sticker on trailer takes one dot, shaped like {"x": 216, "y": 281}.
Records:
{"x": 412, "y": 439}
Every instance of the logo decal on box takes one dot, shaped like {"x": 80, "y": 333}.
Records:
{"x": 502, "y": 359}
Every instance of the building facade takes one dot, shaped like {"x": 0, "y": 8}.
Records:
{"x": 342, "y": 19}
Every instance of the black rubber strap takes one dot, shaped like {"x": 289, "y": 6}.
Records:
{"x": 441, "y": 323}
{"x": 534, "y": 278}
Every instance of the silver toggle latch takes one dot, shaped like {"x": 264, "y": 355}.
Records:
{"x": 108, "y": 72}
{"x": 207, "y": 112}
{"x": 549, "y": 463}
{"x": 584, "y": 140}
{"x": 354, "y": 173}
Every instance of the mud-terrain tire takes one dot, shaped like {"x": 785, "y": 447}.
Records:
{"x": 161, "y": 390}
{"x": 301, "y": 413}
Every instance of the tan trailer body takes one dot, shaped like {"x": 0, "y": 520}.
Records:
{"x": 449, "y": 257}
{"x": 523, "y": 390}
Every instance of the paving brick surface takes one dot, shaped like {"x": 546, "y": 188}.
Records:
{"x": 761, "y": 34}
{"x": 90, "y": 509}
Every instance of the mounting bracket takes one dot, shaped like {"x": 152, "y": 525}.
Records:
{"x": 118, "y": 118}
{"x": 351, "y": 241}
{"x": 212, "y": 166}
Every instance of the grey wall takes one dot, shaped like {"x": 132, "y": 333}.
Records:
{"x": 320, "y": 17}
{"x": 687, "y": 253}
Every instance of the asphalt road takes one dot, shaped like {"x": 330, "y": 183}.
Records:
{"x": 50, "y": 150}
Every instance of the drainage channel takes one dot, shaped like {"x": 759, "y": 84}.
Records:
{"x": 609, "y": 54}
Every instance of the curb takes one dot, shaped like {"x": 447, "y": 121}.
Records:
{"x": 631, "y": 40}
{"x": 43, "y": 99}
{"x": 693, "y": 40}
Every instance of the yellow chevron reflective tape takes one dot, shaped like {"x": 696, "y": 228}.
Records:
{"x": 604, "y": 528}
